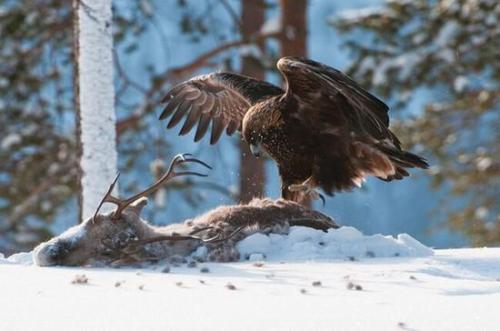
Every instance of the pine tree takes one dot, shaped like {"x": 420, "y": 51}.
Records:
{"x": 446, "y": 52}
{"x": 39, "y": 164}
{"x": 38, "y": 159}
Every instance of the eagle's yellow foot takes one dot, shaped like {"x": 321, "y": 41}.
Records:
{"x": 306, "y": 189}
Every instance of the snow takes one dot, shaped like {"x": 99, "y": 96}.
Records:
{"x": 460, "y": 83}
{"x": 147, "y": 7}
{"x": 404, "y": 64}
{"x": 447, "y": 33}
{"x": 96, "y": 98}
{"x": 272, "y": 25}
{"x": 160, "y": 198}
{"x": 157, "y": 167}
{"x": 10, "y": 141}
{"x": 74, "y": 233}
{"x": 357, "y": 13}
{"x": 451, "y": 290}
{"x": 447, "y": 55}
{"x": 24, "y": 258}
{"x": 250, "y": 50}
{"x": 481, "y": 212}
{"x": 304, "y": 244}
{"x": 483, "y": 163}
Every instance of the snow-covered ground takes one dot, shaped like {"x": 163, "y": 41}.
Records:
{"x": 415, "y": 289}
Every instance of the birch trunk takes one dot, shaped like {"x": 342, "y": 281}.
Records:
{"x": 94, "y": 99}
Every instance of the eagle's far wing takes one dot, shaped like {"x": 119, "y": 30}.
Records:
{"x": 325, "y": 90}
{"x": 221, "y": 98}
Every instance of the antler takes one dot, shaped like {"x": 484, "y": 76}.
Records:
{"x": 122, "y": 204}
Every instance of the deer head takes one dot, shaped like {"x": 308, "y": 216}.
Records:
{"x": 109, "y": 237}
{"x": 121, "y": 237}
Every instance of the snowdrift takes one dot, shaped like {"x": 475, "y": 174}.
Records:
{"x": 307, "y": 244}
{"x": 344, "y": 243}
{"x": 310, "y": 280}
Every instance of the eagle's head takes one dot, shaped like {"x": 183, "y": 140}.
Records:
{"x": 252, "y": 133}
{"x": 261, "y": 124}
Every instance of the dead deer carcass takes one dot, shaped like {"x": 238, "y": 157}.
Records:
{"x": 122, "y": 237}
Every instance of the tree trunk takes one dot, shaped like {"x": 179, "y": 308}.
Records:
{"x": 294, "y": 25}
{"x": 94, "y": 101}
{"x": 252, "y": 171}
{"x": 293, "y": 41}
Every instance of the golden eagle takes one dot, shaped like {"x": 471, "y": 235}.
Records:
{"x": 323, "y": 130}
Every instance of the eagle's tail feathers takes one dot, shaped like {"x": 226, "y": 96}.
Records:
{"x": 405, "y": 159}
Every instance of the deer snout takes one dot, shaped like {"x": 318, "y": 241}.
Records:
{"x": 50, "y": 254}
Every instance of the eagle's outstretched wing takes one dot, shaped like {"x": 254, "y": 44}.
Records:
{"x": 326, "y": 90}
{"x": 221, "y": 98}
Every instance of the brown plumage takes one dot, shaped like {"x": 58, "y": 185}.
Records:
{"x": 323, "y": 130}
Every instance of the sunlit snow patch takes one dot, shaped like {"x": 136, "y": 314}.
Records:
{"x": 307, "y": 244}
{"x": 25, "y": 258}
{"x": 19, "y": 258}
{"x": 304, "y": 243}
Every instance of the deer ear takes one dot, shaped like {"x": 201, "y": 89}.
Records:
{"x": 138, "y": 205}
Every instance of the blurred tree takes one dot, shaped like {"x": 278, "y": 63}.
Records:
{"x": 252, "y": 171}
{"x": 38, "y": 160}
{"x": 37, "y": 167}
{"x": 293, "y": 41}
{"x": 447, "y": 51}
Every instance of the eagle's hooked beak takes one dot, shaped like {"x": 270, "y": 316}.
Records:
{"x": 255, "y": 149}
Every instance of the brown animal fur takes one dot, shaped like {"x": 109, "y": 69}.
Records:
{"x": 104, "y": 241}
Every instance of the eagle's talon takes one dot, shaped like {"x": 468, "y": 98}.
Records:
{"x": 323, "y": 200}
{"x": 313, "y": 194}
{"x": 306, "y": 190}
